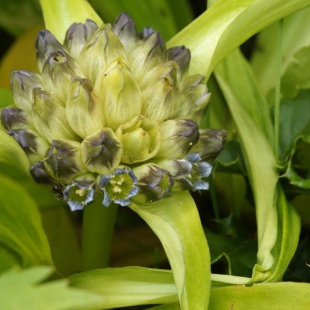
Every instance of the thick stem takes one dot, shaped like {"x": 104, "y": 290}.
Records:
{"x": 97, "y": 234}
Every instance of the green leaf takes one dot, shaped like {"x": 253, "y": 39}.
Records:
{"x": 12, "y": 155}
{"x": 231, "y": 158}
{"x": 295, "y": 36}
{"x": 21, "y": 290}
{"x": 296, "y": 77}
{"x": 59, "y": 15}
{"x": 122, "y": 287}
{"x": 240, "y": 254}
{"x": 275, "y": 217}
{"x": 287, "y": 236}
{"x": 227, "y": 24}
{"x": 294, "y": 121}
{"x": 275, "y": 296}
{"x": 295, "y": 178}
{"x": 176, "y": 222}
{"x": 16, "y": 16}
{"x": 255, "y": 145}
{"x": 166, "y": 307}
{"x": 21, "y": 232}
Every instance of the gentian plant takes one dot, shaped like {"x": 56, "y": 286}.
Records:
{"x": 115, "y": 117}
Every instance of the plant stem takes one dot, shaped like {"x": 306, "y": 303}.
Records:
{"x": 277, "y": 92}
{"x": 97, "y": 234}
{"x": 213, "y": 197}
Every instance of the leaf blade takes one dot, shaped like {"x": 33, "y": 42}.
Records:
{"x": 189, "y": 259}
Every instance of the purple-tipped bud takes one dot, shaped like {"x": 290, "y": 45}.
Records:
{"x": 154, "y": 183}
{"x": 101, "y": 151}
{"x": 147, "y": 54}
{"x": 181, "y": 55}
{"x": 14, "y": 118}
{"x": 124, "y": 27}
{"x": 102, "y": 48}
{"x": 40, "y": 175}
{"x": 32, "y": 144}
{"x": 63, "y": 160}
{"x": 22, "y": 84}
{"x": 211, "y": 143}
{"x": 57, "y": 73}
{"x": 177, "y": 138}
{"x": 77, "y": 35}
{"x": 46, "y": 44}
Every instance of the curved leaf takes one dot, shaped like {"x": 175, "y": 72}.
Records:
{"x": 123, "y": 287}
{"x": 54, "y": 295}
{"x": 176, "y": 222}
{"x": 276, "y": 296}
{"x": 21, "y": 231}
{"x": 12, "y": 155}
{"x": 295, "y": 36}
{"x": 263, "y": 177}
{"x": 227, "y": 24}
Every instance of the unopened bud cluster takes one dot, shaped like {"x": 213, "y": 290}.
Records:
{"x": 112, "y": 114}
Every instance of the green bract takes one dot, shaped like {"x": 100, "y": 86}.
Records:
{"x": 112, "y": 114}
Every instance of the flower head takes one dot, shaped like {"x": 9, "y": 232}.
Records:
{"x": 112, "y": 113}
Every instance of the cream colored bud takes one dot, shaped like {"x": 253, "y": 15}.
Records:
{"x": 120, "y": 94}
{"x": 49, "y": 117}
{"x": 83, "y": 110}
{"x": 102, "y": 48}
{"x": 160, "y": 92}
{"x": 140, "y": 139}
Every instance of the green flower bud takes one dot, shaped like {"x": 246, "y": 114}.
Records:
{"x": 46, "y": 44}
{"x": 211, "y": 143}
{"x": 22, "y": 84}
{"x": 83, "y": 110}
{"x": 40, "y": 175}
{"x": 177, "y": 138}
{"x": 124, "y": 27}
{"x": 194, "y": 98}
{"x": 101, "y": 151}
{"x": 160, "y": 100}
{"x": 14, "y": 118}
{"x": 32, "y": 144}
{"x": 182, "y": 56}
{"x": 140, "y": 139}
{"x": 57, "y": 73}
{"x": 112, "y": 113}
{"x": 120, "y": 94}
{"x": 49, "y": 117}
{"x": 102, "y": 48}
{"x": 148, "y": 53}
{"x": 154, "y": 183}
{"x": 118, "y": 187}
{"x": 77, "y": 35}
{"x": 80, "y": 192}
{"x": 63, "y": 160}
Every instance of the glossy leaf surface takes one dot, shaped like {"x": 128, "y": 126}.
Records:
{"x": 176, "y": 222}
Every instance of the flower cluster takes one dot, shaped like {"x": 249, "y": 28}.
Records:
{"x": 113, "y": 113}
